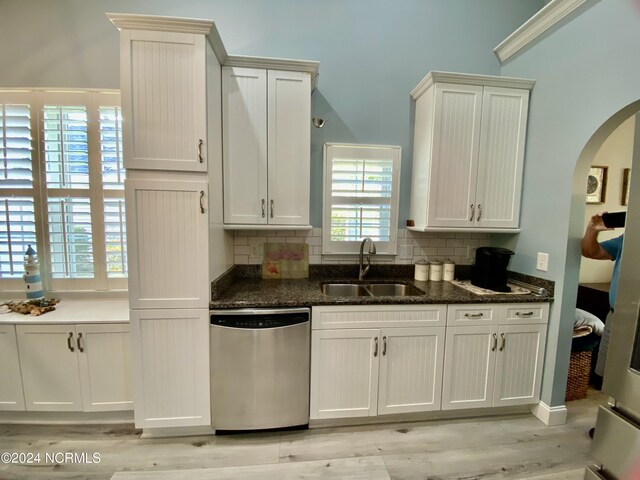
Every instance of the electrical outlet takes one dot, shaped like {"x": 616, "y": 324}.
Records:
{"x": 255, "y": 251}
{"x": 543, "y": 262}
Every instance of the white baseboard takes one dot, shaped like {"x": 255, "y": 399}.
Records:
{"x": 67, "y": 418}
{"x": 550, "y": 415}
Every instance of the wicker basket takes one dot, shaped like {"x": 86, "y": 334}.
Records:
{"x": 578, "y": 380}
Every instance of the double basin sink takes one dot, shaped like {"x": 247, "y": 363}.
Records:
{"x": 369, "y": 290}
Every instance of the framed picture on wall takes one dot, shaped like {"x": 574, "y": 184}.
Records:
{"x": 597, "y": 184}
{"x": 626, "y": 178}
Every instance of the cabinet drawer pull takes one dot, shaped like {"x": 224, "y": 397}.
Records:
{"x": 200, "y": 142}
{"x": 524, "y": 314}
{"x": 263, "y": 207}
{"x": 201, "y": 203}
{"x": 384, "y": 346}
{"x": 495, "y": 342}
{"x": 375, "y": 350}
{"x": 474, "y": 315}
{"x": 503, "y": 342}
{"x": 473, "y": 212}
{"x": 69, "y": 345}
{"x": 271, "y": 215}
{"x": 479, "y": 212}
{"x": 78, "y": 342}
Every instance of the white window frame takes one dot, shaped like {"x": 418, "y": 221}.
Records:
{"x": 362, "y": 151}
{"x": 92, "y": 99}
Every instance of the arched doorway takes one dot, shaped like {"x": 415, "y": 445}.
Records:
{"x": 580, "y": 210}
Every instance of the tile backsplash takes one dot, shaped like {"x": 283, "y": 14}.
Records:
{"x": 412, "y": 246}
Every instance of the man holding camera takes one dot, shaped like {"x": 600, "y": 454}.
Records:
{"x": 607, "y": 250}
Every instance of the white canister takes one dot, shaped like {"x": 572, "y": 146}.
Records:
{"x": 448, "y": 270}
{"x": 435, "y": 271}
{"x": 422, "y": 271}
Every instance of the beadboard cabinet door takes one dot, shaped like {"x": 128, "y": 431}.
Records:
{"x": 105, "y": 366}
{"x": 244, "y": 113}
{"x": 344, "y": 373}
{"x": 454, "y": 159}
{"x": 469, "y": 367}
{"x": 167, "y": 231}
{"x": 171, "y": 367}
{"x": 163, "y": 85}
{"x": 50, "y": 372}
{"x": 519, "y": 371}
{"x": 501, "y": 157}
{"x": 289, "y": 147}
{"x": 411, "y": 366}
{"x": 11, "y": 394}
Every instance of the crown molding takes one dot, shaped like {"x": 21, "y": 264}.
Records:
{"x": 309, "y": 66}
{"x": 470, "y": 79}
{"x": 196, "y": 26}
{"x": 543, "y": 20}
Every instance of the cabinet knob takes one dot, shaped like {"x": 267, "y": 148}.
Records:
{"x": 78, "y": 343}
{"x": 503, "y": 342}
{"x": 474, "y": 315}
{"x": 201, "y": 201}
{"x": 264, "y": 204}
{"x": 69, "y": 344}
{"x": 271, "y": 214}
{"x": 495, "y": 342}
{"x": 524, "y": 314}
{"x": 473, "y": 212}
{"x": 375, "y": 350}
{"x": 479, "y": 212}
{"x": 384, "y": 346}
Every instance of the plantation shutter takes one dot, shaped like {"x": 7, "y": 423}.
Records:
{"x": 361, "y": 197}
{"x": 17, "y": 219}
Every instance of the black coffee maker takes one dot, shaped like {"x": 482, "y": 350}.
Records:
{"x": 490, "y": 270}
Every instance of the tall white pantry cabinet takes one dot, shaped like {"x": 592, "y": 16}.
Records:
{"x": 170, "y": 84}
{"x": 468, "y": 152}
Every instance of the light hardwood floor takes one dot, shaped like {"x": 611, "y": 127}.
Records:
{"x": 513, "y": 447}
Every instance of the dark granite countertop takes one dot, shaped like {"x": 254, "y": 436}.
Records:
{"x": 241, "y": 287}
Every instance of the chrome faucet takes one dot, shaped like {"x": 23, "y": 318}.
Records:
{"x": 372, "y": 251}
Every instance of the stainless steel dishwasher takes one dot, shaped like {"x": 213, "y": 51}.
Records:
{"x": 260, "y": 367}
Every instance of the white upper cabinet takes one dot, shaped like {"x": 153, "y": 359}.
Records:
{"x": 163, "y": 88}
{"x": 468, "y": 152}
{"x": 266, "y": 146}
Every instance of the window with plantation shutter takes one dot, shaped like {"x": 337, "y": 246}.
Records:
{"x": 17, "y": 208}
{"x": 360, "y": 197}
{"x": 74, "y": 214}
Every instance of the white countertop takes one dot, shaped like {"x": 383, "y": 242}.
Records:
{"x": 107, "y": 310}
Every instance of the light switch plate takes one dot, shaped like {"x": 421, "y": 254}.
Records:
{"x": 542, "y": 263}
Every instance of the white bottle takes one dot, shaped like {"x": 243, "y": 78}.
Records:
{"x": 448, "y": 270}
{"x": 422, "y": 271}
{"x": 435, "y": 271}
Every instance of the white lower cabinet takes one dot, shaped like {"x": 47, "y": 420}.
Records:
{"x": 384, "y": 359}
{"x": 75, "y": 367}
{"x": 171, "y": 367}
{"x": 396, "y": 368}
{"x": 494, "y": 355}
{"x": 11, "y": 394}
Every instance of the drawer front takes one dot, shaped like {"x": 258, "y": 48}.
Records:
{"x": 525, "y": 313}
{"x": 378, "y": 316}
{"x": 473, "y": 315}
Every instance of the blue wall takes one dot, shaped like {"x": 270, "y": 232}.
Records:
{"x": 371, "y": 53}
{"x": 586, "y": 71}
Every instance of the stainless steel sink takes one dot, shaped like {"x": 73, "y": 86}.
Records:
{"x": 369, "y": 289}
{"x": 344, "y": 290}
{"x": 393, "y": 289}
